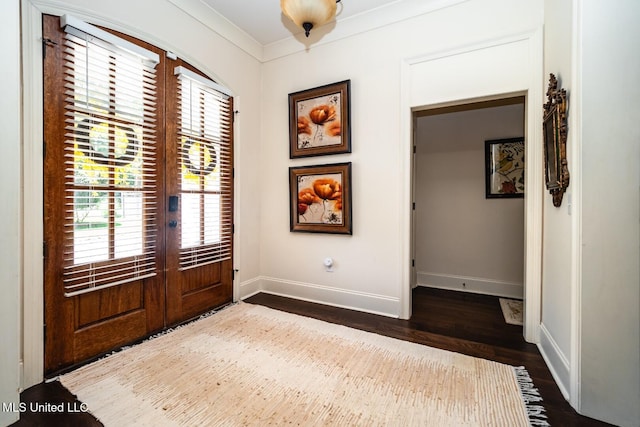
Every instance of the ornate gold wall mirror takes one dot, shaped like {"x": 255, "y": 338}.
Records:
{"x": 555, "y": 141}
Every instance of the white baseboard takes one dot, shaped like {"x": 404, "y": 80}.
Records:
{"x": 353, "y": 300}
{"x": 249, "y": 288}
{"x": 556, "y": 361}
{"x": 471, "y": 284}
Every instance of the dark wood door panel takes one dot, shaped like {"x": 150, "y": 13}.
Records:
{"x": 111, "y": 302}
{"x": 108, "y": 335}
{"x": 193, "y": 292}
{"x": 209, "y": 293}
{"x": 200, "y": 278}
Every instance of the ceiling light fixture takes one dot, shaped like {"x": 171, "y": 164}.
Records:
{"x": 309, "y": 13}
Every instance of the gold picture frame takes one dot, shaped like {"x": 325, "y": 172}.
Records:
{"x": 320, "y": 198}
{"x": 554, "y": 130}
{"x": 319, "y": 121}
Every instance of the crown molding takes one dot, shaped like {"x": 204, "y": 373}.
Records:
{"x": 333, "y": 31}
{"x": 220, "y": 25}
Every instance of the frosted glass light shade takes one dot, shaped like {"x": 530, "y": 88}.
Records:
{"x": 309, "y": 13}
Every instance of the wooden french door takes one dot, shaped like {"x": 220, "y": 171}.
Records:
{"x": 138, "y": 207}
{"x": 199, "y": 172}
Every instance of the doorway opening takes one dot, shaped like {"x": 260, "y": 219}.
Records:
{"x": 466, "y": 237}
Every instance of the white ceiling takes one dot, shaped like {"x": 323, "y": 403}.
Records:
{"x": 265, "y": 23}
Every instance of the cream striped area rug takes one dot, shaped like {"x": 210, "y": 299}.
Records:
{"x": 251, "y": 365}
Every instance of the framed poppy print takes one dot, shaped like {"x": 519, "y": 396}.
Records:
{"x": 319, "y": 121}
{"x": 320, "y": 198}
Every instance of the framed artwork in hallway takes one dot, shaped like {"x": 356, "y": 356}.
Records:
{"x": 504, "y": 168}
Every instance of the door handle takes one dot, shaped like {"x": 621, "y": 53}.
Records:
{"x": 173, "y": 223}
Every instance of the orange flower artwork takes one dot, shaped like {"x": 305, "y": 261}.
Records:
{"x": 320, "y": 198}
{"x": 334, "y": 128}
{"x": 326, "y": 188}
{"x": 304, "y": 127}
{"x": 308, "y": 197}
{"x": 322, "y": 114}
{"x": 319, "y": 120}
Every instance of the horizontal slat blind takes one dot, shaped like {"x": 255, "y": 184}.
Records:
{"x": 110, "y": 163}
{"x": 205, "y": 175}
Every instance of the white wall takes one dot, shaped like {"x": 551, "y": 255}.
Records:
{"x": 173, "y": 30}
{"x": 370, "y": 266}
{"x": 557, "y": 309}
{"x": 461, "y": 236}
{"x": 10, "y": 185}
{"x": 591, "y": 311}
{"x": 610, "y": 72}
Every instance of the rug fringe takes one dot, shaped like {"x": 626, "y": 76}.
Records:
{"x": 530, "y": 396}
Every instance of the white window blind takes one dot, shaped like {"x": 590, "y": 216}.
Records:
{"x": 205, "y": 170}
{"x": 110, "y": 160}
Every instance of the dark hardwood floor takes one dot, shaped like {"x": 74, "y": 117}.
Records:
{"x": 465, "y": 323}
